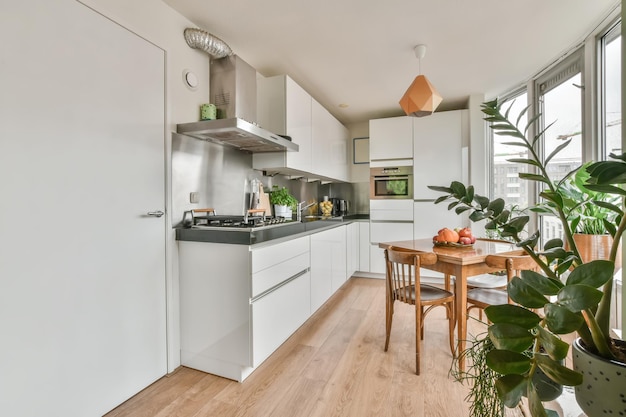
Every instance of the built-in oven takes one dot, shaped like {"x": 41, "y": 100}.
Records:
{"x": 391, "y": 183}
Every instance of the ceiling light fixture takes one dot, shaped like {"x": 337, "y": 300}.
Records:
{"x": 421, "y": 98}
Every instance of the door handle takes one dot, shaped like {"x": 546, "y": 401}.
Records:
{"x": 157, "y": 213}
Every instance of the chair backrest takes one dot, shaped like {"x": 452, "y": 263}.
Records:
{"x": 403, "y": 272}
{"x": 512, "y": 262}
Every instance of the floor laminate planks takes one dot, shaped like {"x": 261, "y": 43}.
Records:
{"x": 333, "y": 366}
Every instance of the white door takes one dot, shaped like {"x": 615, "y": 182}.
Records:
{"x": 82, "y": 293}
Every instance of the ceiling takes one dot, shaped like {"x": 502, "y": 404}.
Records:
{"x": 361, "y": 53}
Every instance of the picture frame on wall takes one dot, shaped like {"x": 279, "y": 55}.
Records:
{"x": 361, "y": 150}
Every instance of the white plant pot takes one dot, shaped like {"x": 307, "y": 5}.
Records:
{"x": 602, "y": 392}
{"x": 282, "y": 211}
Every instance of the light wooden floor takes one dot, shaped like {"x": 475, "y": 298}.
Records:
{"x": 334, "y": 365}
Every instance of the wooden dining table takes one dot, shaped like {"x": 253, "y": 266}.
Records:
{"x": 460, "y": 262}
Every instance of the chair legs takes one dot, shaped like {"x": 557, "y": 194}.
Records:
{"x": 419, "y": 328}
{"x": 389, "y": 319}
{"x": 451, "y": 325}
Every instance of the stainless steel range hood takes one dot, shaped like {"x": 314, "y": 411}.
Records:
{"x": 238, "y": 133}
{"x": 233, "y": 91}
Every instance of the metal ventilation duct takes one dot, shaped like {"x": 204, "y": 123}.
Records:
{"x": 212, "y": 45}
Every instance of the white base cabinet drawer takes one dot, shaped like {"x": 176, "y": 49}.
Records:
{"x": 277, "y": 315}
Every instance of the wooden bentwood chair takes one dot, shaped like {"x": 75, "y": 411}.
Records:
{"x": 511, "y": 262}
{"x": 403, "y": 284}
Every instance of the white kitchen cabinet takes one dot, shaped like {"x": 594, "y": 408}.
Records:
{"x": 328, "y": 264}
{"x": 364, "y": 246}
{"x": 278, "y": 314}
{"x": 239, "y": 303}
{"x": 352, "y": 248}
{"x": 284, "y": 108}
{"x": 437, "y": 156}
{"x": 329, "y": 144}
{"x": 391, "y": 138}
{"x": 390, "y": 220}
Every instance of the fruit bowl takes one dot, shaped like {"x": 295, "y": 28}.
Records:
{"x": 453, "y": 245}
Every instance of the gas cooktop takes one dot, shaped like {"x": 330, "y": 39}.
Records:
{"x": 238, "y": 222}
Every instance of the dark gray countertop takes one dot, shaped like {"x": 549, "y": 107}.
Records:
{"x": 253, "y": 236}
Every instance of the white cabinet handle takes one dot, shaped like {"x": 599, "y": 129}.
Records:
{"x": 157, "y": 213}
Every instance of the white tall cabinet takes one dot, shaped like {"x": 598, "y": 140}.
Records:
{"x": 434, "y": 146}
{"x": 437, "y": 151}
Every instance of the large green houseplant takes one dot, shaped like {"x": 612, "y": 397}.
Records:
{"x": 568, "y": 295}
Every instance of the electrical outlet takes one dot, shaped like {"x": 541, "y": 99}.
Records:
{"x": 194, "y": 197}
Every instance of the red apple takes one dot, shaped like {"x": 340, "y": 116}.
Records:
{"x": 473, "y": 239}
{"x": 464, "y": 240}
{"x": 466, "y": 231}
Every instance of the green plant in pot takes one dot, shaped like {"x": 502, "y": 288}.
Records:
{"x": 283, "y": 201}
{"x": 569, "y": 295}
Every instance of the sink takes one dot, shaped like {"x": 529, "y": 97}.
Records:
{"x": 325, "y": 218}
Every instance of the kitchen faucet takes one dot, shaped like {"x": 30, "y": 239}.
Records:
{"x": 301, "y": 208}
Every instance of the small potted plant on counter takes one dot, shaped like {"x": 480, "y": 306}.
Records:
{"x": 571, "y": 294}
{"x": 284, "y": 203}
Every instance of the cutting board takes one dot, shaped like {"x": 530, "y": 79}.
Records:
{"x": 264, "y": 202}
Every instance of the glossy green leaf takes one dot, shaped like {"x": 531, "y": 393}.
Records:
{"x": 554, "y": 347}
{"x": 524, "y": 294}
{"x": 554, "y": 197}
{"x": 458, "y": 189}
{"x": 470, "y": 193}
{"x": 579, "y": 297}
{"x": 510, "y": 337}
{"x": 534, "y": 404}
{"x": 609, "y": 189}
{"x": 442, "y": 198}
{"x": 447, "y": 190}
{"x": 541, "y": 283}
{"x": 477, "y": 216}
{"x": 512, "y": 314}
{"x": 511, "y": 388}
{"x": 461, "y": 209}
{"x": 496, "y": 206}
{"x": 524, "y": 161}
{"x": 533, "y": 177}
{"x": 506, "y": 362}
{"x": 553, "y": 243}
{"x": 482, "y": 201}
{"x": 518, "y": 223}
{"x": 560, "y": 320}
{"x": 556, "y": 151}
{"x": 594, "y": 274}
{"x": 557, "y": 372}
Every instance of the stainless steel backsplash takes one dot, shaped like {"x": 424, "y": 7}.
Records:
{"x": 221, "y": 176}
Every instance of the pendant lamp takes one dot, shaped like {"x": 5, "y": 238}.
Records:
{"x": 421, "y": 98}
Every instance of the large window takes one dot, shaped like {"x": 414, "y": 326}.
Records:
{"x": 505, "y": 181}
{"x": 610, "y": 91}
{"x": 559, "y": 96}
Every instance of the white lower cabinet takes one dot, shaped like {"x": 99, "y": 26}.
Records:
{"x": 352, "y": 248}
{"x": 239, "y": 303}
{"x": 328, "y": 264}
{"x": 277, "y": 315}
{"x": 364, "y": 246}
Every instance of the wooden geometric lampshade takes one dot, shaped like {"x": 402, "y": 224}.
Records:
{"x": 421, "y": 98}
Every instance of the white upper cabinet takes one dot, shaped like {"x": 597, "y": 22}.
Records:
{"x": 391, "y": 138}
{"x": 329, "y": 144}
{"x": 437, "y": 156}
{"x": 284, "y": 108}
